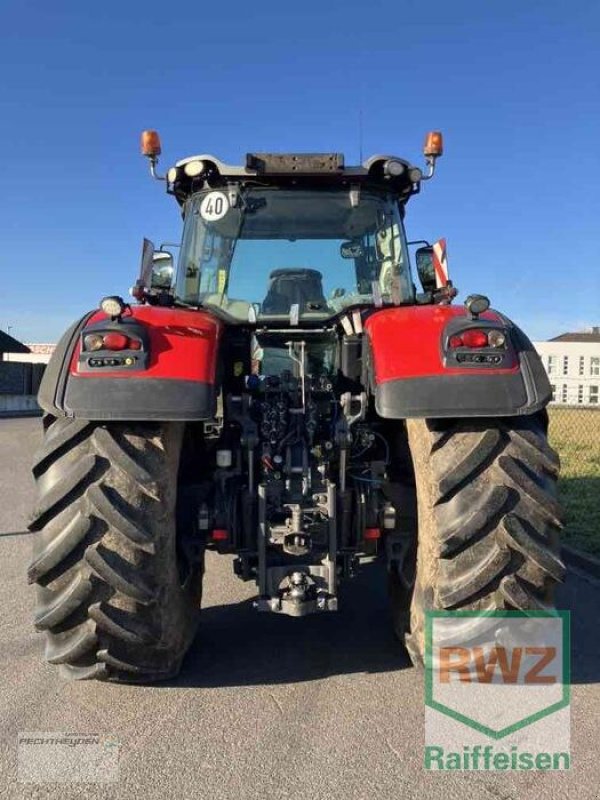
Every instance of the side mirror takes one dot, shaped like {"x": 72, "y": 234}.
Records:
{"x": 161, "y": 276}
{"x": 148, "y": 250}
{"x": 351, "y": 249}
{"x": 156, "y": 276}
{"x": 425, "y": 268}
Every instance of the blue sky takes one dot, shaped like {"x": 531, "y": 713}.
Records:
{"x": 514, "y": 85}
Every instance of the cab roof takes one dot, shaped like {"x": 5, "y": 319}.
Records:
{"x": 379, "y": 172}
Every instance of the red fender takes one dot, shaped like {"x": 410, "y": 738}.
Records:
{"x": 414, "y": 373}
{"x": 170, "y": 376}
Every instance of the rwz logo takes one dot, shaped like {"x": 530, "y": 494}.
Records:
{"x": 496, "y": 672}
{"x": 509, "y": 665}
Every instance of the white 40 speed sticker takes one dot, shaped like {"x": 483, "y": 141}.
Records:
{"x": 214, "y": 206}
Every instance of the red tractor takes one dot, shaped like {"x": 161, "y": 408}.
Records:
{"x": 287, "y": 396}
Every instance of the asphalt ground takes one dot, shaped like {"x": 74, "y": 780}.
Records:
{"x": 266, "y": 706}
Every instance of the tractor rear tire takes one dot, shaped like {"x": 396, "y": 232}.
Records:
{"x": 113, "y": 596}
{"x": 488, "y": 519}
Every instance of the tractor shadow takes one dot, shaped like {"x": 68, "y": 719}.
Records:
{"x": 237, "y": 646}
{"x": 581, "y": 596}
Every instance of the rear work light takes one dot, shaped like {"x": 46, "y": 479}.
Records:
{"x": 475, "y": 338}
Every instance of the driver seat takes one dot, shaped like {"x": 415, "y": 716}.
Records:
{"x": 294, "y": 286}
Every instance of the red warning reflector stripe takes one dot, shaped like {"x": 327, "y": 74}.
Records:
{"x": 440, "y": 264}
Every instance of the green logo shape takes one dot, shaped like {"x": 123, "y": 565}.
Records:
{"x": 525, "y": 721}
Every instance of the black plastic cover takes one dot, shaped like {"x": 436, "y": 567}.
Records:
{"x": 135, "y": 398}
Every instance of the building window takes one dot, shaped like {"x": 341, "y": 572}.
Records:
{"x": 564, "y": 396}
{"x": 580, "y": 394}
{"x": 581, "y": 364}
{"x": 595, "y": 365}
{"x": 551, "y": 365}
{"x": 565, "y": 369}
{"x": 553, "y": 387}
{"x": 594, "y": 394}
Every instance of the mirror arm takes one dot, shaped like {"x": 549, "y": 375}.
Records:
{"x": 138, "y": 292}
{"x": 445, "y": 295}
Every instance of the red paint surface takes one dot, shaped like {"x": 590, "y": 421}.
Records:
{"x": 183, "y": 345}
{"x": 407, "y": 342}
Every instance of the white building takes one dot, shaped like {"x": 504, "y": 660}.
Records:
{"x": 40, "y": 354}
{"x": 572, "y": 362}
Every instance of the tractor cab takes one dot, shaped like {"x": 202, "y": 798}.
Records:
{"x": 292, "y": 239}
